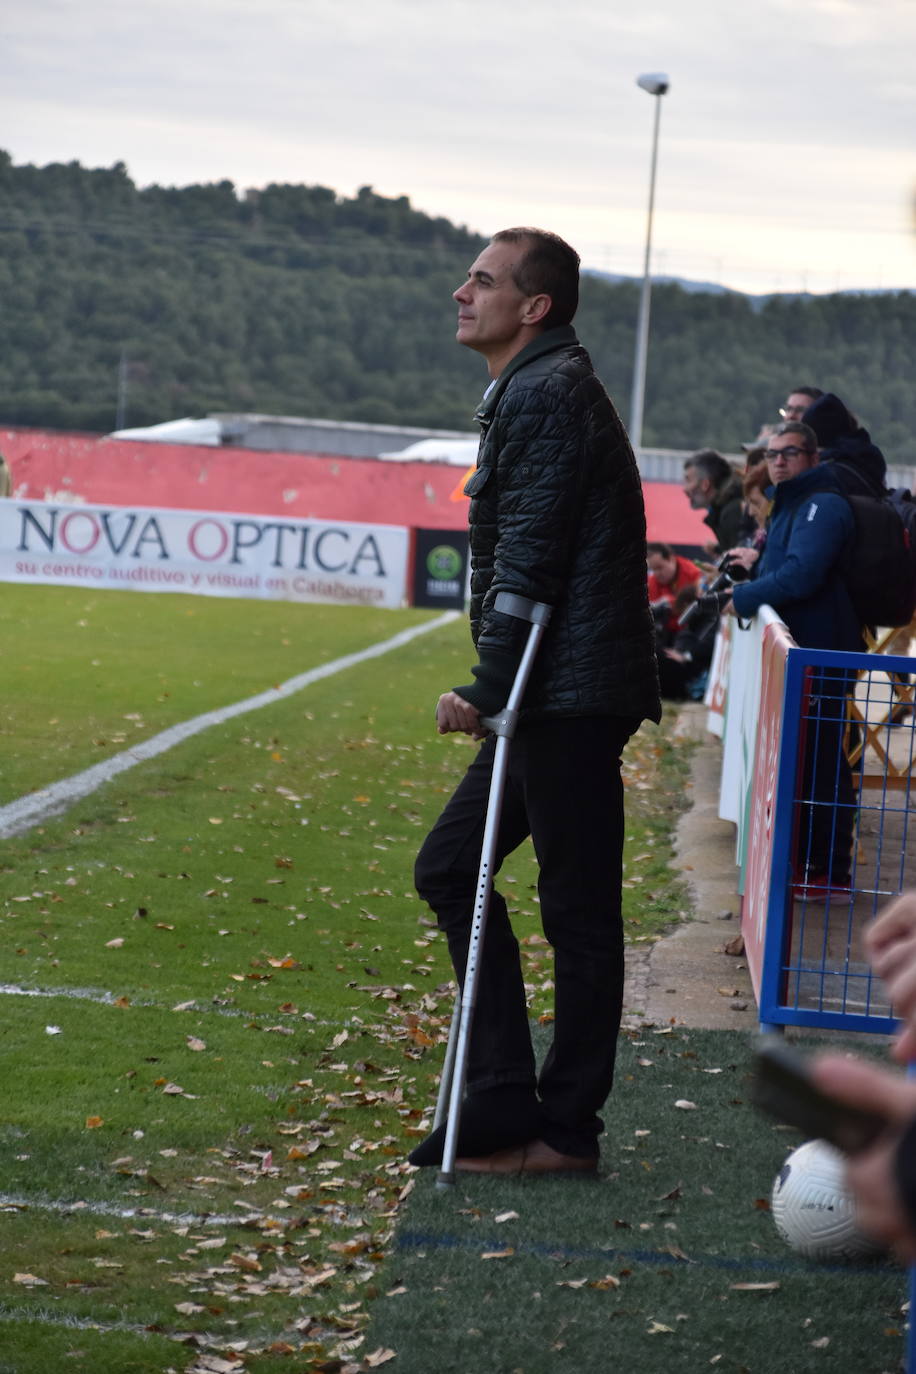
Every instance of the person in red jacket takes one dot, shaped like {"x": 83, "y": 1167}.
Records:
{"x": 669, "y": 573}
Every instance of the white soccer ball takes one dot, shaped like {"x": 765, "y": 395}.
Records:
{"x": 814, "y": 1211}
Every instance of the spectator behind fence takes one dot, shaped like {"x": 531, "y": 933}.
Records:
{"x": 713, "y": 485}
{"x": 6, "y": 478}
{"x": 793, "y": 408}
{"x": 799, "y": 576}
{"x": 798, "y": 401}
{"x": 883, "y": 1176}
{"x": 860, "y": 466}
{"x": 669, "y": 573}
{"x": 860, "y": 469}
{"x": 683, "y": 661}
{"x": 757, "y": 507}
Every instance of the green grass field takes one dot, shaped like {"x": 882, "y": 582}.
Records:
{"x": 224, "y": 1004}
{"x": 668, "y": 1261}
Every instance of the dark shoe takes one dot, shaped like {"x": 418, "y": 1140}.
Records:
{"x": 495, "y": 1119}
{"x": 537, "y": 1157}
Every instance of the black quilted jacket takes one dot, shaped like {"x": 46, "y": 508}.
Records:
{"x": 557, "y": 515}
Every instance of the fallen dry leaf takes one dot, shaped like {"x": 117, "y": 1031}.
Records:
{"x": 93, "y": 1122}
{"x": 685, "y": 1106}
{"x": 498, "y": 1254}
{"x": 755, "y": 1287}
{"x": 214, "y": 1364}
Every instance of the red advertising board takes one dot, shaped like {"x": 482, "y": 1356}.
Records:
{"x": 775, "y": 647}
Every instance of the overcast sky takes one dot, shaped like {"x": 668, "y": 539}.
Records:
{"x": 787, "y": 156}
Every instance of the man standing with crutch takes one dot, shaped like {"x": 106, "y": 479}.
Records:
{"x": 557, "y": 518}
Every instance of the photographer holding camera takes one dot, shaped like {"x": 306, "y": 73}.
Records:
{"x": 669, "y": 573}
{"x": 674, "y": 583}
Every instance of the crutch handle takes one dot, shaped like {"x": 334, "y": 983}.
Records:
{"x": 502, "y": 724}
{"x": 537, "y": 613}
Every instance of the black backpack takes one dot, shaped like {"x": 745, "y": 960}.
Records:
{"x": 904, "y": 503}
{"x": 879, "y": 563}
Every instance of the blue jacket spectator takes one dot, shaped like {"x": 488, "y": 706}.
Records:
{"x": 810, "y": 526}
{"x": 801, "y": 577}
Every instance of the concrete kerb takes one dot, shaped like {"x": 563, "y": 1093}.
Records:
{"x": 687, "y": 977}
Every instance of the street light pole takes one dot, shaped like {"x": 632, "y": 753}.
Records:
{"x": 656, "y": 83}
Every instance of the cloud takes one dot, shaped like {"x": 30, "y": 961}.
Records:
{"x": 797, "y": 117}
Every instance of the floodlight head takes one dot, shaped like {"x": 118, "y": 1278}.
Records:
{"x": 656, "y": 83}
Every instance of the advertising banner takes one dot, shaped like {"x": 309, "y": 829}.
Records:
{"x": 203, "y": 553}
{"x": 742, "y": 713}
{"x": 757, "y": 853}
{"x": 440, "y": 568}
{"x": 717, "y": 682}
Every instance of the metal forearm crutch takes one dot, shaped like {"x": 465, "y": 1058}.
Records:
{"x": 454, "y": 1071}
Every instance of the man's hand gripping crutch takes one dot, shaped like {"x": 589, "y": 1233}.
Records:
{"x": 452, "y": 716}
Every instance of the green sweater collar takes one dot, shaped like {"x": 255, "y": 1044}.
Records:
{"x": 548, "y": 342}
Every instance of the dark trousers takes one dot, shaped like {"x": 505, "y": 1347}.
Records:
{"x": 564, "y": 789}
{"x": 673, "y": 676}
{"x": 828, "y": 811}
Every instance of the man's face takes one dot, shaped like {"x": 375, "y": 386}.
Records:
{"x": 797, "y": 402}
{"x": 787, "y": 457}
{"x": 491, "y": 309}
{"x": 697, "y": 488}
{"x": 662, "y": 568}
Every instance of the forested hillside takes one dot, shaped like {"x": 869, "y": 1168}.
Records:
{"x": 294, "y": 300}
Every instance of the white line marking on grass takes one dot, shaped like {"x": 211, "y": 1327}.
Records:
{"x": 199, "y": 1007}
{"x": 199, "y": 1340}
{"x": 21, "y": 815}
{"x": 13, "y": 1202}
{"x": 29, "y": 1317}
{"x": 106, "y": 999}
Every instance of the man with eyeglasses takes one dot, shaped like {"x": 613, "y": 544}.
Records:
{"x": 794, "y": 408}
{"x": 800, "y": 576}
{"x": 798, "y": 401}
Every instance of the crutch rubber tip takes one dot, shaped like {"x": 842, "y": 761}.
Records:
{"x": 444, "y": 1180}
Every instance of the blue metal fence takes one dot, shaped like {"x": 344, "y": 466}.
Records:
{"x": 843, "y": 829}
